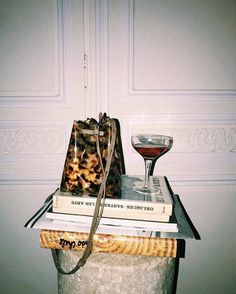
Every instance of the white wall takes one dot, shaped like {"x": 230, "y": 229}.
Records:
{"x": 170, "y": 68}
{"x": 41, "y": 92}
{"x": 159, "y": 66}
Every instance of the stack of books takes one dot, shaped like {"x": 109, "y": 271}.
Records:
{"x": 133, "y": 211}
{"x": 135, "y": 224}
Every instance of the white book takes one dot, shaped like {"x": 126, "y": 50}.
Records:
{"x": 106, "y": 228}
{"x": 131, "y": 205}
{"x": 166, "y": 222}
{"x": 40, "y": 221}
{"x": 108, "y": 224}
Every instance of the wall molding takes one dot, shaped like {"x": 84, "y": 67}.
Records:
{"x": 198, "y": 139}
{"x": 102, "y": 52}
{"x": 61, "y": 95}
{"x": 19, "y": 95}
{"x": 33, "y": 139}
{"x": 184, "y": 180}
{"x": 192, "y": 133}
{"x": 133, "y": 92}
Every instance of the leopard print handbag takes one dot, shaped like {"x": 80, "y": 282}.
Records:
{"x": 87, "y": 155}
{"x": 93, "y": 167}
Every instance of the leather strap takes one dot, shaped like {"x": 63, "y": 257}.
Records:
{"x": 98, "y": 207}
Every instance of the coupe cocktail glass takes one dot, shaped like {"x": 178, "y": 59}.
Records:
{"x": 150, "y": 147}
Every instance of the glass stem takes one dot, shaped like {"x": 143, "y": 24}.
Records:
{"x": 148, "y": 165}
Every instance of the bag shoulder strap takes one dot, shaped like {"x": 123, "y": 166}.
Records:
{"x": 97, "y": 211}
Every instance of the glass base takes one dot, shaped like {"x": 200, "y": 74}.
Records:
{"x": 147, "y": 190}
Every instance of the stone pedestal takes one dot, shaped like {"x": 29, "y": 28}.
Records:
{"x": 116, "y": 273}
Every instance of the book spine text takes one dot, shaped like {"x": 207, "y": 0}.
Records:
{"x": 76, "y": 204}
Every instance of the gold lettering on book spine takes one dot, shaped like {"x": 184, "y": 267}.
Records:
{"x": 145, "y": 246}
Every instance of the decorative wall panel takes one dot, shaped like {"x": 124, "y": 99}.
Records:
{"x": 171, "y": 69}
{"x": 183, "y": 47}
{"x": 34, "y": 140}
{"x": 29, "y": 56}
{"x": 33, "y": 152}
{"x": 42, "y": 86}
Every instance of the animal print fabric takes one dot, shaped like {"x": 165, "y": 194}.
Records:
{"x": 83, "y": 172}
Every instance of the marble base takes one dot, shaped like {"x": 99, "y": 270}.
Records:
{"x": 116, "y": 273}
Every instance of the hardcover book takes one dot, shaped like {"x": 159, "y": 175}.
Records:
{"x": 166, "y": 247}
{"x": 131, "y": 205}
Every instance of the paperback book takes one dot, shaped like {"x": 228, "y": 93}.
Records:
{"x": 83, "y": 220}
{"x": 40, "y": 221}
{"x": 131, "y": 205}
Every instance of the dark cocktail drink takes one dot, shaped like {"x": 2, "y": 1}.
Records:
{"x": 150, "y": 147}
{"x": 149, "y": 151}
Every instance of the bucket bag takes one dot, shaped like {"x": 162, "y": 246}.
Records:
{"x": 93, "y": 167}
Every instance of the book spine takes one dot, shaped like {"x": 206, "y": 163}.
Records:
{"x": 79, "y": 205}
{"x": 145, "y": 246}
{"x": 105, "y": 220}
{"x": 109, "y": 214}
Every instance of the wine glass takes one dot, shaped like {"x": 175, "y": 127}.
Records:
{"x": 150, "y": 147}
